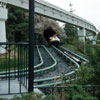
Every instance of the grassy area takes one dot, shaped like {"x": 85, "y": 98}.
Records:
{"x": 74, "y": 48}
{"x": 4, "y": 63}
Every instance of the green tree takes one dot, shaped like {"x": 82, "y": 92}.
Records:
{"x": 98, "y": 37}
{"x": 76, "y": 92}
{"x": 70, "y": 30}
{"x": 17, "y": 25}
{"x": 72, "y": 37}
{"x": 84, "y": 74}
{"x": 93, "y": 53}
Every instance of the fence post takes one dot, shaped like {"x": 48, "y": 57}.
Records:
{"x": 31, "y": 46}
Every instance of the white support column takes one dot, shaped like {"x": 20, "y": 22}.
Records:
{"x": 94, "y": 39}
{"x": 3, "y": 18}
{"x": 82, "y": 34}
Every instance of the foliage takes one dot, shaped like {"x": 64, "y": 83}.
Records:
{"x": 87, "y": 74}
{"x": 17, "y": 25}
{"x": 72, "y": 38}
{"x": 76, "y": 92}
{"x": 80, "y": 97}
{"x": 76, "y": 44}
{"x": 70, "y": 30}
{"x": 98, "y": 37}
{"x": 31, "y": 96}
{"x": 84, "y": 74}
{"x": 4, "y": 61}
{"x": 3, "y": 99}
{"x": 93, "y": 53}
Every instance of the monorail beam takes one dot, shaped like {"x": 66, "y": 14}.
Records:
{"x": 51, "y": 11}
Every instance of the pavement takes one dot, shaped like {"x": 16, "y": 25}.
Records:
{"x": 13, "y": 88}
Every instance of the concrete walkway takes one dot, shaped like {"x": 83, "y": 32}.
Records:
{"x": 14, "y": 87}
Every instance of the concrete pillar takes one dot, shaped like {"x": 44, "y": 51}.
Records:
{"x": 82, "y": 34}
{"x": 94, "y": 39}
{"x": 3, "y": 18}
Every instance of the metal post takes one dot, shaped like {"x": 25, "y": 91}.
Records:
{"x": 31, "y": 45}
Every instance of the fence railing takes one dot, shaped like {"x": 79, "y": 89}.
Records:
{"x": 13, "y": 67}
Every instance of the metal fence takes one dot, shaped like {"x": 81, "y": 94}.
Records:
{"x": 14, "y": 65}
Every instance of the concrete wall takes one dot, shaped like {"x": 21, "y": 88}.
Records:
{"x": 3, "y": 18}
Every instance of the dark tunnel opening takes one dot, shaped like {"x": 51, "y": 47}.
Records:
{"x": 48, "y": 33}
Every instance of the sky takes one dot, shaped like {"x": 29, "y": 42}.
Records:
{"x": 87, "y": 9}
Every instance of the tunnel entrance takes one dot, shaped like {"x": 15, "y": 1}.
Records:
{"x": 48, "y": 33}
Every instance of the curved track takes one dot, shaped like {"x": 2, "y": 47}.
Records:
{"x": 50, "y": 64}
{"x": 61, "y": 67}
{"x": 73, "y": 55}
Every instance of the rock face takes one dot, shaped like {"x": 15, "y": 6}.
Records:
{"x": 45, "y": 27}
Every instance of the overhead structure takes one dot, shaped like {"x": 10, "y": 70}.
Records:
{"x": 49, "y": 10}
{"x": 46, "y": 9}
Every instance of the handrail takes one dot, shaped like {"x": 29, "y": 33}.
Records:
{"x": 51, "y": 84}
{"x": 71, "y": 85}
{"x": 67, "y": 57}
{"x": 44, "y": 69}
{"x": 52, "y": 78}
{"x": 56, "y": 77}
{"x": 41, "y": 60}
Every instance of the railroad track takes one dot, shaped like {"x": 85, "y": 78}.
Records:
{"x": 73, "y": 55}
{"x": 66, "y": 54}
{"x": 50, "y": 63}
{"x": 61, "y": 67}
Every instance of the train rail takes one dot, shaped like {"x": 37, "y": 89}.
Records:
{"x": 52, "y": 62}
{"x": 38, "y": 59}
{"x": 73, "y": 55}
{"x": 49, "y": 62}
{"x": 70, "y": 61}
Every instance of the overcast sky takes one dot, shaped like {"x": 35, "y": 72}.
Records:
{"x": 87, "y": 9}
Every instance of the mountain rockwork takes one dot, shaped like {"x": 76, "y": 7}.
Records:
{"x": 45, "y": 27}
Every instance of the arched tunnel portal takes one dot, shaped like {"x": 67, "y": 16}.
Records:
{"x": 48, "y": 33}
